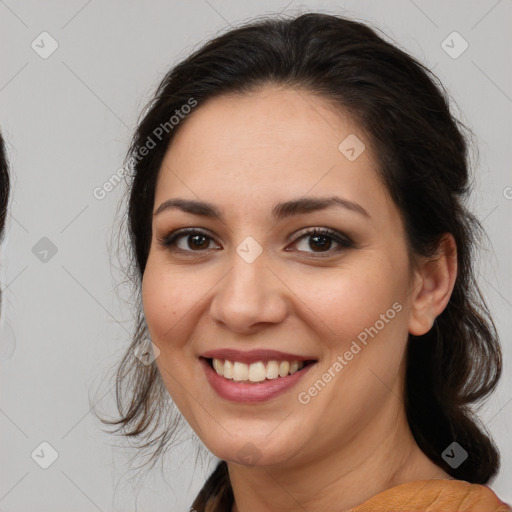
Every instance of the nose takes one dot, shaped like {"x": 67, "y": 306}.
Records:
{"x": 249, "y": 296}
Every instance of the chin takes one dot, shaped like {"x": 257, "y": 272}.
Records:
{"x": 253, "y": 450}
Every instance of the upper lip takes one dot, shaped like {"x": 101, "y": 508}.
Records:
{"x": 253, "y": 356}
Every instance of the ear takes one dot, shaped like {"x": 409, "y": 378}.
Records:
{"x": 434, "y": 282}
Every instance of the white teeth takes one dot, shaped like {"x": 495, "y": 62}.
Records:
{"x": 284, "y": 366}
{"x": 255, "y": 372}
{"x": 218, "y": 366}
{"x": 294, "y": 366}
{"x": 272, "y": 370}
{"x": 228, "y": 369}
{"x": 240, "y": 371}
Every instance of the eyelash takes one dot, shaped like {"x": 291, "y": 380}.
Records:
{"x": 344, "y": 241}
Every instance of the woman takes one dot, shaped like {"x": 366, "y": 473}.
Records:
{"x": 303, "y": 254}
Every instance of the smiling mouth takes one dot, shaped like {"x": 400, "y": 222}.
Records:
{"x": 257, "y": 372}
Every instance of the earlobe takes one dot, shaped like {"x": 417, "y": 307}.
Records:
{"x": 435, "y": 279}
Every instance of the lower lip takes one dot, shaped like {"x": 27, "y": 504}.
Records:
{"x": 248, "y": 392}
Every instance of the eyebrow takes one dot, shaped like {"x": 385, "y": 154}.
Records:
{"x": 279, "y": 211}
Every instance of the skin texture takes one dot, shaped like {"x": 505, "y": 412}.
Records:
{"x": 351, "y": 441}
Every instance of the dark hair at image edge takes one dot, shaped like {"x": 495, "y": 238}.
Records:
{"x": 402, "y": 110}
{"x": 4, "y": 190}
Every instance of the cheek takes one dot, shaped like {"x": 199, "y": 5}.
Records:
{"x": 167, "y": 299}
{"x": 168, "y": 303}
{"x": 157, "y": 301}
{"x": 348, "y": 300}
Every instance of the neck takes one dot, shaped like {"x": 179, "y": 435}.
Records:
{"x": 375, "y": 460}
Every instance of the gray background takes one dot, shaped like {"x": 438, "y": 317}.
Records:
{"x": 68, "y": 119}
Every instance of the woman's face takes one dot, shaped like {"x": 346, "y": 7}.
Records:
{"x": 256, "y": 280}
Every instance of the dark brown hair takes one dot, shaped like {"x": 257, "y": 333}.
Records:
{"x": 5, "y": 186}
{"x": 423, "y": 161}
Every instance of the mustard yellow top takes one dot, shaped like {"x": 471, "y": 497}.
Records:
{"x": 420, "y": 496}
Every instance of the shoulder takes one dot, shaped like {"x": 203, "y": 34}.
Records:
{"x": 435, "y": 496}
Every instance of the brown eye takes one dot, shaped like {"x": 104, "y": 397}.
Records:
{"x": 195, "y": 241}
{"x": 321, "y": 241}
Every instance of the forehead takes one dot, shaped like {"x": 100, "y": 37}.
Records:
{"x": 270, "y": 144}
{"x": 266, "y": 122}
